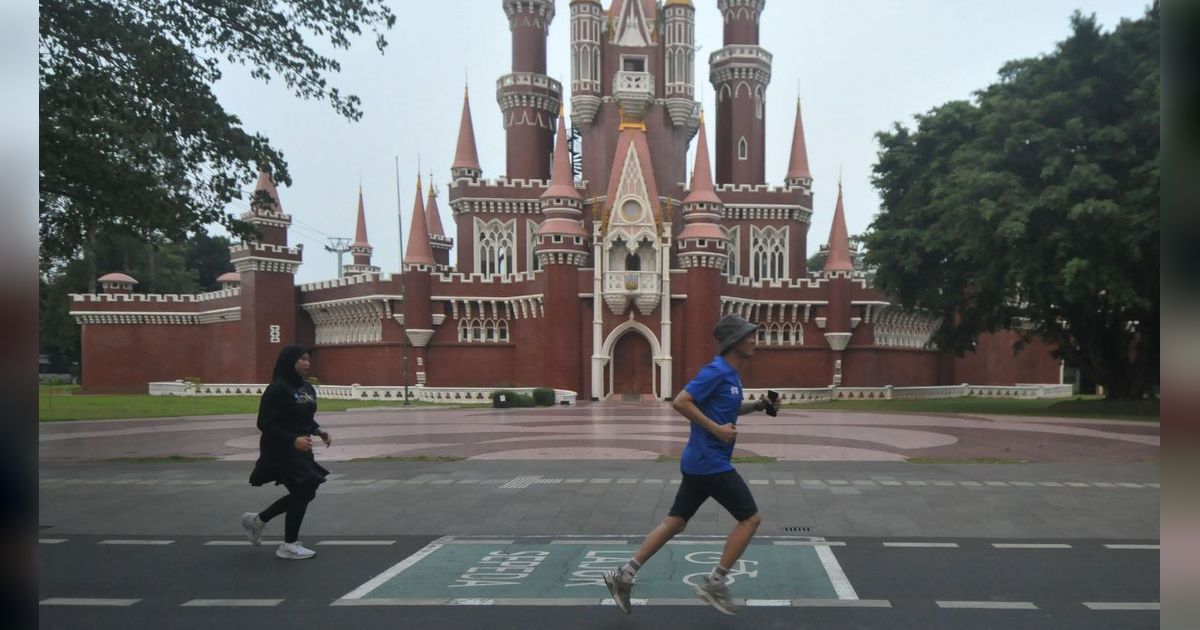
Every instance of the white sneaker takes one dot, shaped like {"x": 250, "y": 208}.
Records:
{"x": 294, "y": 551}
{"x": 254, "y": 527}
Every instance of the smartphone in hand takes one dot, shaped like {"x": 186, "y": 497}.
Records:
{"x": 772, "y": 396}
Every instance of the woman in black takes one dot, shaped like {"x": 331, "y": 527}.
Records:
{"x": 286, "y": 420}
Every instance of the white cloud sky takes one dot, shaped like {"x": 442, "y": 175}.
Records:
{"x": 859, "y": 66}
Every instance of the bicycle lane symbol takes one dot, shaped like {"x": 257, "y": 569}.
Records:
{"x": 747, "y": 568}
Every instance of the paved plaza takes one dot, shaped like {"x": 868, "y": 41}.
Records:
{"x": 516, "y": 534}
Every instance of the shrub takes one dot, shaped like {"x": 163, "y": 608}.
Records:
{"x": 544, "y": 396}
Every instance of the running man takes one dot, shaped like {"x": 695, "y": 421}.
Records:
{"x": 712, "y": 402}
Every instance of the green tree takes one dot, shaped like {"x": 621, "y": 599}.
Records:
{"x": 132, "y": 139}
{"x": 1035, "y": 207}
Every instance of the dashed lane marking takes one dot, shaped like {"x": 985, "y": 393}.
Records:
{"x": 233, "y": 602}
{"x": 1123, "y": 605}
{"x": 130, "y": 541}
{"x": 87, "y": 601}
{"x": 987, "y": 605}
{"x": 1031, "y": 546}
{"x": 921, "y": 544}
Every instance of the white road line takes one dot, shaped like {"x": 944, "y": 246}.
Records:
{"x": 87, "y": 601}
{"x": 920, "y": 544}
{"x": 238, "y": 543}
{"x": 627, "y": 481}
{"x": 768, "y": 603}
{"x": 1031, "y": 546}
{"x": 472, "y": 601}
{"x": 51, "y": 541}
{"x": 1123, "y": 546}
{"x": 1050, "y": 484}
{"x": 601, "y": 480}
{"x": 695, "y": 542}
{"x": 119, "y": 541}
{"x": 785, "y": 482}
{"x": 837, "y": 577}
{"x": 355, "y": 543}
{"x": 652, "y": 481}
{"x": 759, "y": 482}
{"x": 1129, "y": 485}
{"x": 810, "y": 543}
{"x": 1122, "y": 605}
{"x": 842, "y": 603}
{"x": 394, "y": 570}
{"x": 1000, "y": 484}
{"x": 988, "y": 605}
{"x": 587, "y": 541}
{"x": 917, "y": 483}
{"x": 476, "y": 541}
{"x": 233, "y": 602}
{"x": 1023, "y": 484}
{"x": 1076, "y": 484}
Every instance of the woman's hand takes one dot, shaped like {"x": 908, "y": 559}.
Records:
{"x": 325, "y": 438}
{"x": 303, "y": 444}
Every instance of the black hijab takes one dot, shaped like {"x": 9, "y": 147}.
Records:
{"x": 285, "y": 365}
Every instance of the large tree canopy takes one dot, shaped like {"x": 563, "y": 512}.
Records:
{"x": 1035, "y": 207}
{"x": 132, "y": 139}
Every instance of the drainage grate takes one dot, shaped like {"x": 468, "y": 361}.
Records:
{"x": 797, "y": 528}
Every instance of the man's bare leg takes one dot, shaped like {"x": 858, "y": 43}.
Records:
{"x": 671, "y": 527}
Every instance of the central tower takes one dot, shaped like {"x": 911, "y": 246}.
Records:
{"x": 740, "y": 72}
{"x": 529, "y": 99}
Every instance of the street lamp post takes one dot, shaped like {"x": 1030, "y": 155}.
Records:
{"x": 403, "y": 292}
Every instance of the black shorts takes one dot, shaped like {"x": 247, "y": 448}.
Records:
{"x": 728, "y": 488}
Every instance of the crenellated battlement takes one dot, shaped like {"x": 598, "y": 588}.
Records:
{"x": 346, "y": 281}
{"x": 754, "y": 188}
{"x": 157, "y": 298}
{"x": 478, "y": 278}
{"x": 257, "y": 247}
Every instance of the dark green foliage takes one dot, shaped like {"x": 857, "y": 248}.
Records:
{"x": 511, "y": 399}
{"x": 1035, "y": 207}
{"x": 543, "y": 396}
{"x": 132, "y": 140}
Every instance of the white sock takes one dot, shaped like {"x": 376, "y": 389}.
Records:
{"x": 630, "y": 568}
{"x": 719, "y": 574}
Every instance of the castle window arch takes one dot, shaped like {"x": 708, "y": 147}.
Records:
{"x": 495, "y": 247}
{"x": 733, "y": 266}
{"x": 759, "y": 101}
{"x": 743, "y": 149}
{"x": 768, "y": 253}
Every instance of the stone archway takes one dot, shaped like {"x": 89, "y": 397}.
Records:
{"x": 632, "y": 367}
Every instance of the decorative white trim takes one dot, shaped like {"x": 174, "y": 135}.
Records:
{"x": 837, "y": 340}
{"x": 160, "y": 318}
{"x": 419, "y": 337}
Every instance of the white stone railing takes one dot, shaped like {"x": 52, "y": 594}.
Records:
{"x": 822, "y": 394}
{"x": 632, "y": 282}
{"x": 442, "y": 395}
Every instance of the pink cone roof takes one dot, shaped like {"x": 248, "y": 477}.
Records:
{"x": 266, "y": 183}
{"x": 839, "y": 240}
{"x": 702, "y": 185}
{"x": 230, "y": 276}
{"x": 798, "y": 164}
{"x": 418, "y": 251}
{"x": 432, "y": 214}
{"x": 465, "y": 155}
{"x": 562, "y": 179}
{"x": 360, "y": 230}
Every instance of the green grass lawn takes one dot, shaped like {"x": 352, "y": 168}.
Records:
{"x": 58, "y": 403}
{"x": 1078, "y": 407}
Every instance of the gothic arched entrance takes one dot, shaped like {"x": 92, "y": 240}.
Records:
{"x": 632, "y": 366}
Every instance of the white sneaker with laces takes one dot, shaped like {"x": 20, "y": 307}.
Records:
{"x": 254, "y": 527}
{"x": 294, "y": 551}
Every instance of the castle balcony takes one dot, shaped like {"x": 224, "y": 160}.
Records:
{"x": 643, "y": 288}
{"x": 634, "y": 92}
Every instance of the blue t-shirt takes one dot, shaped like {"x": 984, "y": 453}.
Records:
{"x": 718, "y": 393}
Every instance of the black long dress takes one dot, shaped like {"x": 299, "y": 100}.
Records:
{"x": 286, "y": 412}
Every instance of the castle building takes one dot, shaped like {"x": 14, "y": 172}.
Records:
{"x": 607, "y": 283}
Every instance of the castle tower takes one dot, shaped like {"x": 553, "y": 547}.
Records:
{"x": 587, "y": 28}
{"x": 839, "y": 267}
{"x": 703, "y": 250}
{"x": 528, "y": 98}
{"x": 562, "y": 248}
{"x": 360, "y": 249}
{"x": 679, "y": 28}
{"x": 740, "y": 72}
{"x": 418, "y": 268}
{"x": 438, "y": 240}
{"x": 267, "y": 268}
{"x": 798, "y": 174}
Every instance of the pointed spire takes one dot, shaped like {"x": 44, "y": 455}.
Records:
{"x": 267, "y": 183}
{"x": 702, "y": 184}
{"x": 798, "y": 165}
{"x": 465, "y": 156}
{"x": 562, "y": 177}
{"x": 418, "y": 251}
{"x": 432, "y": 214}
{"x": 838, "y": 258}
{"x": 360, "y": 230}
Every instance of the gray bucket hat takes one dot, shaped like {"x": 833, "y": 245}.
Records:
{"x": 730, "y": 330}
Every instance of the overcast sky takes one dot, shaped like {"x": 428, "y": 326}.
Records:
{"x": 858, "y": 66}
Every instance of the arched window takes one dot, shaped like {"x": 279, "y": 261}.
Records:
{"x": 477, "y": 330}
{"x": 502, "y": 332}
{"x": 489, "y": 329}
{"x": 496, "y": 245}
{"x": 758, "y": 103}
{"x": 464, "y": 330}
{"x": 733, "y": 265}
{"x": 743, "y": 149}
{"x": 768, "y": 253}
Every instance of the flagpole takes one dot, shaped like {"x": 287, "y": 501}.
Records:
{"x": 403, "y": 296}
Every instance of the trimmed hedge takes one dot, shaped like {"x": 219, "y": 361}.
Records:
{"x": 511, "y": 399}
{"x": 544, "y": 396}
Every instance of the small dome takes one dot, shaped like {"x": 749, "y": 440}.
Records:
{"x": 230, "y": 276}
{"x": 117, "y": 277}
